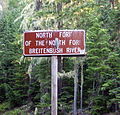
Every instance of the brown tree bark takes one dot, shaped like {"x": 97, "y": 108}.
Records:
{"x": 4, "y": 4}
{"x": 60, "y": 60}
{"x": 38, "y": 5}
{"x": 112, "y": 2}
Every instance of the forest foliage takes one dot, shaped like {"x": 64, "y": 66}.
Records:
{"x": 26, "y": 81}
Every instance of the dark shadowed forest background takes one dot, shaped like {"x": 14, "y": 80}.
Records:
{"x": 25, "y": 82}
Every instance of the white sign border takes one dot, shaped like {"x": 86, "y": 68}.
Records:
{"x": 47, "y": 55}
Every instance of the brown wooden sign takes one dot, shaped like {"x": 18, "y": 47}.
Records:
{"x": 50, "y": 42}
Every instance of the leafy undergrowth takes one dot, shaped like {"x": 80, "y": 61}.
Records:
{"x": 5, "y": 109}
{"x": 15, "y": 112}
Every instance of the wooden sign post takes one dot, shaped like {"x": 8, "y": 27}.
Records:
{"x": 54, "y": 43}
{"x": 54, "y": 84}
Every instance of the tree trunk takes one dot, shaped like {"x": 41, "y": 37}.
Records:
{"x": 75, "y": 88}
{"x": 38, "y": 5}
{"x": 54, "y": 86}
{"x": 112, "y": 2}
{"x": 81, "y": 102}
{"x": 60, "y": 60}
{"x": 3, "y": 4}
{"x": 59, "y": 9}
{"x": 59, "y": 26}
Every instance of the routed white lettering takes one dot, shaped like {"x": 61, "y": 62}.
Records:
{"x": 65, "y": 34}
{"x": 27, "y": 43}
{"x": 45, "y": 50}
{"x": 40, "y": 43}
{"x": 52, "y": 42}
{"x": 73, "y": 50}
{"x": 61, "y": 42}
{"x": 74, "y": 42}
{"x": 50, "y": 35}
{"x": 44, "y": 35}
